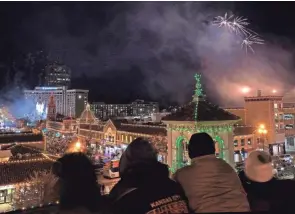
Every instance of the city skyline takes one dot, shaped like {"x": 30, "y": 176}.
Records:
{"x": 136, "y": 59}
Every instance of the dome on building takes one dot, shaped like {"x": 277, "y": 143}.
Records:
{"x": 87, "y": 116}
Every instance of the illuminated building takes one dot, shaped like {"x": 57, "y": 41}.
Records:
{"x": 57, "y": 74}
{"x": 244, "y": 142}
{"x": 76, "y": 102}
{"x": 170, "y": 138}
{"x": 267, "y": 111}
{"x": 289, "y": 120}
{"x": 16, "y": 174}
{"x": 114, "y": 133}
{"x": 138, "y": 108}
{"x": 141, "y": 108}
{"x": 63, "y": 125}
{"x": 51, "y": 109}
{"x": 211, "y": 119}
{"x": 68, "y": 102}
{"x": 6, "y": 118}
{"x": 59, "y": 123}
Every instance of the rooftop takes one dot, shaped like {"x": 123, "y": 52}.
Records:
{"x": 265, "y": 98}
{"x": 206, "y": 112}
{"x": 143, "y": 129}
{"x": 20, "y": 137}
{"x": 19, "y": 171}
{"x": 133, "y": 128}
{"x": 88, "y": 116}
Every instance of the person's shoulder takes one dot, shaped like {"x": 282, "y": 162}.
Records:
{"x": 224, "y": 165}
{"x": 184, "y": 169}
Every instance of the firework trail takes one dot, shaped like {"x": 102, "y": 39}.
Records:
{"x": 249, "y": 41}
{"x": 239, "y": 26}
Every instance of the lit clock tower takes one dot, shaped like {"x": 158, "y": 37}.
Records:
{"x": 51, "y": 109}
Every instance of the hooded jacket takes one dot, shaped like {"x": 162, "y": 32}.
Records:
{"x": 211, "y": 185}
{"x": 147, "y": 188}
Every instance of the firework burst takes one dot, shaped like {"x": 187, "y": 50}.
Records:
{"x": 251, "y": 40}
{"x": 239, "y": 26}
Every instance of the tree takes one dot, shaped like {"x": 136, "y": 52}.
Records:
{"x": 44, "y": 183}
{"x": 39, "y": 188}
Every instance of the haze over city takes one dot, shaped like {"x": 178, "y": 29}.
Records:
{"x": 151, "y": 50}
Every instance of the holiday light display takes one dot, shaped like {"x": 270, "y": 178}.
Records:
{"x": 181, "y": 141}
{"x": 198, "y": 94}
{"x": 36, "y": 191}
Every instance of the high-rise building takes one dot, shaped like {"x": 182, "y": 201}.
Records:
{"x": 77, "y": 99}
{"x": 142, "y": 108}
{"x": 69, "y": 103}
{"x": 57, "y": 74}
{"x": 138, "y": 108}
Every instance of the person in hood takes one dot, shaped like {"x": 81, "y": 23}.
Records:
{"x": 210, "y": 184}
{"x": 79, "y": 190}
{"x": 145, "y": 186}
{"x": 264, "y": 192}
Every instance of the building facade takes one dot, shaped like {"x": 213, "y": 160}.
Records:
{"x": 269, "y": 112}
{"x": 114, "y": 133}
{"x": 68, "y": 102}
{"x": 245, "y": 140}
{"x": 138, "y": 108}
{"x": 289, "y": 124}
{"x": 19, "y": 173}
{"x": 76, "y": 102}
{"x": 171, "y": 137}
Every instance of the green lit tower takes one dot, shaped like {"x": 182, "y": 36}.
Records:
{"x": 198, "y": 95}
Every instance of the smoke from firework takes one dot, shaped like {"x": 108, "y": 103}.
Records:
{"x": 167, "y": 41}
{"x": 181, "y": 31}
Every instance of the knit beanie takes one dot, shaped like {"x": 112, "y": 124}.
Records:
{"x": 138, "y": 152}
{"x": 201, "y": 144}
{"x": 258, "y": 166}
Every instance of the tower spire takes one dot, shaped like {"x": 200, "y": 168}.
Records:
{"x": 51, "y": 108}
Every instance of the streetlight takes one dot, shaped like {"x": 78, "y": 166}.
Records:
{"x": 261, "y": 128}
{"x": 262, "y": 131}
{"x": 78, "y": 145}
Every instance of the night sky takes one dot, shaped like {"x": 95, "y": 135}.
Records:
{"x": 114, "y": 50}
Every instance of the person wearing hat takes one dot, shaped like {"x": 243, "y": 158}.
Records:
{"x": 264, "y": 192}
{"x": 145, "y": 186}
{"x": 210, "y": 184}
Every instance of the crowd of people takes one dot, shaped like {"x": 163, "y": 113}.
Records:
{"x": 207, "y": 185}
{"x": 57, "y": 144}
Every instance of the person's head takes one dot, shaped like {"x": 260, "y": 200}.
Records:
{"x": 200, "y": 144}
{"x": 78, "y": 182}
{"x": 139, "y": 151}
{"x": 258, "y": 167}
